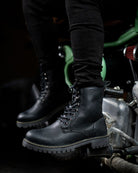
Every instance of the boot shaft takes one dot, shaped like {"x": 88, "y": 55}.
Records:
{"x": 84, "y": 110}
{"x": 90, "y": 107}
{"x": 53, "y": 73}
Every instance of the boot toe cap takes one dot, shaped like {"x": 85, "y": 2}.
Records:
{"x": 23, "y": 117}
{"x": 35, "y": 138}
{"x": 48, "y": 136}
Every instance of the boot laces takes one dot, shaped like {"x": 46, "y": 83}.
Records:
{"x": 43, "y": 86}
{"x": 71, "y": 109}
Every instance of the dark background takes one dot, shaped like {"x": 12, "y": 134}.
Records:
{"x": 18, "y": 69}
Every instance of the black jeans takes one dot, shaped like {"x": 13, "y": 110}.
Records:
{"x": 86, "y": 34}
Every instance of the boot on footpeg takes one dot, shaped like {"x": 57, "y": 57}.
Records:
{"x": 81, "y": 124}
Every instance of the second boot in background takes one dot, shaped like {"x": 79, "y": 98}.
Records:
{"x": 53, "y": 96}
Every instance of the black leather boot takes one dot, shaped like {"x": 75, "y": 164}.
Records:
{"x": 53, "y": 97}
{"x": 82, "y": 124}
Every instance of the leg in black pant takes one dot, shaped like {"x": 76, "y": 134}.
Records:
{"x": 38, "y": 16}
{"x": 82, "y": 123}
{"x": 87, "y": 38}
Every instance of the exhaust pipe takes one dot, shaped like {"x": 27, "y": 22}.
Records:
{"x": 120, "y": 165}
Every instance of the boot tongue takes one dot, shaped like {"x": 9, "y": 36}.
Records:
{"x": 45, "y": 77}
{"x": 71, "y": 109}
{"x": 43, "y": 86}
{"x": 74, "y": 86}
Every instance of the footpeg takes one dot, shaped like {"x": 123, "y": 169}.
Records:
{"x": 100, "y": 152}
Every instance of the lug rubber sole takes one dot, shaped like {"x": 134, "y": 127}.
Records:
{"x": 95, "y": 143}
{"x": 40, "y": 122}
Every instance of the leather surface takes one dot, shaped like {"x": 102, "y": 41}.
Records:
{"x": 88, "y": 123}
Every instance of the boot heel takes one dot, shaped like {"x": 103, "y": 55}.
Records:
{"x": 100, "y": 142}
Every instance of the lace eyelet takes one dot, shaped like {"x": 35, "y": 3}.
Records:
{"x": 77, "y": 110}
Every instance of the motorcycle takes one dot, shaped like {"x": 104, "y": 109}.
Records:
{"x": 120, "y": 103}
